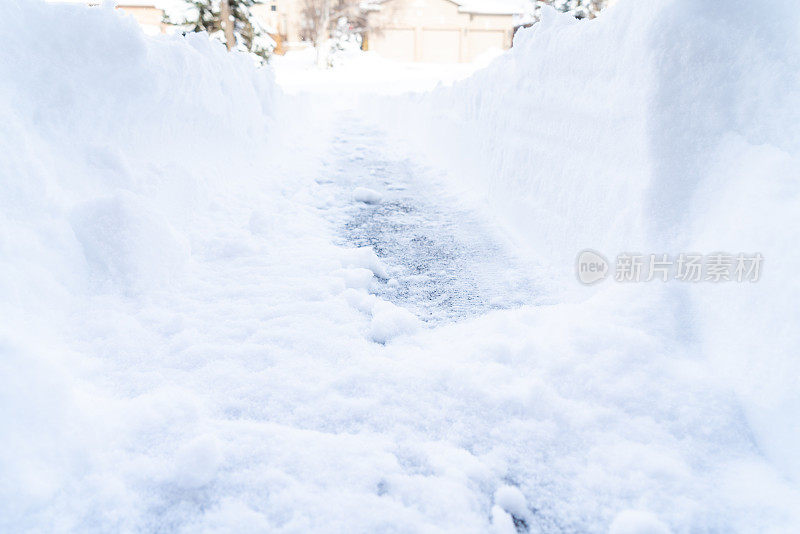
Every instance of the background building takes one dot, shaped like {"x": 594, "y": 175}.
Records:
{"x": 284, "y": 19}
{"x": 445, "y": 31}
{"x": 148, "y": 13}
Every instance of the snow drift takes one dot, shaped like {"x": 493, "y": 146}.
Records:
{"x": 660, "y": 127}
{"x": 120, "y": 127}
{"x": 116, "y": 151}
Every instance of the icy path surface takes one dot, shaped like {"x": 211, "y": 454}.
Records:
{"x": 444, "y": 262}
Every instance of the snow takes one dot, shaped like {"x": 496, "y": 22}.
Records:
{"x": 636, "y": 522}
{"x": 663, "y": 126}
{"x": 204, "y": 329}
{"x": 511, "y": 500}
{"x": 493, "y": 7}
{"x": 366, "y": 195}
{"x": 364, "y": 257}
{"x": 359, "y": 73}
{"x": 389, "y": 321}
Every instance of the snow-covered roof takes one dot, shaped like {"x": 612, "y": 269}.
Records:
{"x": 493, "y": 7}
{"x": 477, "y": 7}
{"x": 160, "y": 4}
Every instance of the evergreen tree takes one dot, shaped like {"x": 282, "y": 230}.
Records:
{"x": 581, "y": 9}
{"x": 245, "y": 32}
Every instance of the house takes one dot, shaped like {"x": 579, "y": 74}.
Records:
{"x": 283, "y": 20}
{"x": 148, "y": 13}
{"x": 444, "y": 31}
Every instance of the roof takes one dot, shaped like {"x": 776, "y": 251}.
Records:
{"x": 160, "y": 4}
{"x": 493, "y": 7}
{"x": 477, "y": 7}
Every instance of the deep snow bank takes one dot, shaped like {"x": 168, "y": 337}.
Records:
{"x": 661, "y": 127}
{"x": 602, "y": 133}
{"x": 123, "y": 129}
{"x": 112, "y": 145}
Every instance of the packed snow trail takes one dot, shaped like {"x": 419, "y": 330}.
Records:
{"x": 445, "y": 262}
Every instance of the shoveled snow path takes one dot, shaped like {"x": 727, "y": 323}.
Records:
{"x": 445, "y": 262}
{"x": 248, "y": 393}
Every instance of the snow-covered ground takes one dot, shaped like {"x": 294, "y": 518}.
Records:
{"x": 359, "y": 73}
{"x": 321, "y": 306}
